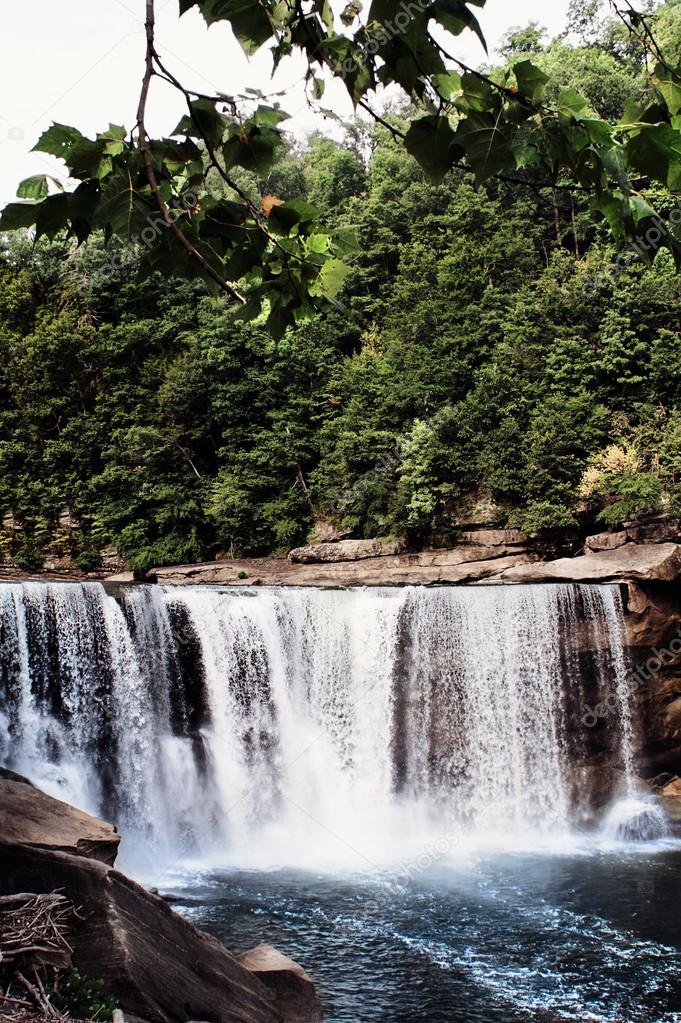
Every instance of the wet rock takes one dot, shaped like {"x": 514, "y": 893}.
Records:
{"x": 32, "y": 818}
{"x": 370, "y": 563}
{"x": 670, "y": 797}
{"x": 653, "y": 615}
{"x": 462, "y": 564}
{"x": 294, "y": 991}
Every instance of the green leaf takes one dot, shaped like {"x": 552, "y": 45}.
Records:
{"x": 113, "y": 140}
{"x": 254, "y": 151}
{"x": 455, "y": 16}
{"x": 346, "y": 242}
{"x": 433, "y": 144}
{"x": 656, "y": 151}
{"x": 305, "y": 211}
{"x": 669, "y": 86}
{"x": 487, "y": 144}
{"x": 269, "y": 117}
{"x": 572, "y": 103}
{"x": 599, "y": 132}
{"x": 52, "y": 215}
{"x": 477, "y": 94}
{"x": 122, "y": 210}
{"x": 448, "y": 86}
{"x": 249, "y": 20}
{"x": 531, "y": 80}
{"x": 17, "y": 215}
{"x": 640, "y": 208}
{"x": 58, "y": 140}
{"x": 33, "y": 188}
{"x": 204, "y": 122}
{"x": 331, "y": 278}
{"x": 84, "y": 204}
{"x": 616, "y": 211}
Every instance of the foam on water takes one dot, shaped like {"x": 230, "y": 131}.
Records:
{"x": 635, "y": 819}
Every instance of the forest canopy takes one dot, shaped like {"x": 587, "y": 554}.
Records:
{"x": 491, "y": 347}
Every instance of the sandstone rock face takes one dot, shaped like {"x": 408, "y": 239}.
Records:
{"x": 327, "y": 532}
{"x": 653, "y": 616}
{"x": 344, "y": 550}
{"x": 655, "y": 529}
{"x": 670, "y": 797}
{"x": 294, "y": 991}
{"x": 470, "y": 562}
{"x": 652, "y": 563}
{"x": 32, "y": 818}
{"x": 158, "y": 966}
{"x": 460, "y": 565}
{"x": 494, "y": 538}
{"x": 606, "y": 541}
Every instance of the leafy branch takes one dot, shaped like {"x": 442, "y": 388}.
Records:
{"x": 280, "y": 258}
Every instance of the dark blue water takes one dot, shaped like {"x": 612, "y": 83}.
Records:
{"x": 594, "y": 937}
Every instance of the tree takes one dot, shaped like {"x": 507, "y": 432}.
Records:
{"x": 182, "y": 201}
{"x": 523, "y": 40}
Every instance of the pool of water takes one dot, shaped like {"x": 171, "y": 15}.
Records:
{"x": 590, "y": 936}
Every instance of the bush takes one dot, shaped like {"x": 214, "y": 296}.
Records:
{"x": 83, "y": 999}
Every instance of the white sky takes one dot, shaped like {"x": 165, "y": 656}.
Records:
{"x": 79, "y": 62}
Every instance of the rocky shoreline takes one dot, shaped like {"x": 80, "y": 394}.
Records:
{"x": 153, "y": 962}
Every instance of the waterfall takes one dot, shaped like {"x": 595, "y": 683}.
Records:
{"x": 264, "y": 726}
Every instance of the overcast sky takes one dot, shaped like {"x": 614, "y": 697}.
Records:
{"x": 79, "y": 63}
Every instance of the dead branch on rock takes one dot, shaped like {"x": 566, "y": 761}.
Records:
{"x": 34, "y": 928}
{"x": 34, "y": 933}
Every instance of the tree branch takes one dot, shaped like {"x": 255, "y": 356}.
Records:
{"x": 143, "y": 141}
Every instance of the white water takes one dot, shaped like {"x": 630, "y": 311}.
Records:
{"x": 310, "y": 727}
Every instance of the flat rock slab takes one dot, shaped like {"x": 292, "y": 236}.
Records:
{"x": 458, "y": 565}
{"x": 158, "y": 966}
{"x": 29, "y": 816}
{"x": 644, "y": 563}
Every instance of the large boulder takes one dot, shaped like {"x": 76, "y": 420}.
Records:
{"x": 671, "y": 799}
{"x": 493, "y": 538}
{"x": 606, "y": 541}
{"x": 294, "y": 991}
{"x": 158, "y": 966}
{"x": 652, "y": 563}
{"x": 32, "y": 818}
{"x": 344, "y": 550}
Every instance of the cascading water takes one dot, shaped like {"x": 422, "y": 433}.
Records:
{"x": 269, "y": 726}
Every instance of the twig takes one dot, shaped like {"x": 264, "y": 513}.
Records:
{"x": 143, "y": 141}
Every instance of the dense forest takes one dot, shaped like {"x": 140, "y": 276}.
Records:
{"x": 493, "y": 357}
